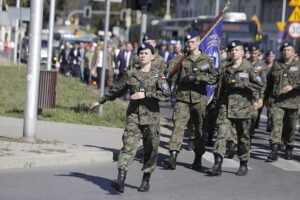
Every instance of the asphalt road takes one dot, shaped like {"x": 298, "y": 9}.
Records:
{"x": 278, "y": 180}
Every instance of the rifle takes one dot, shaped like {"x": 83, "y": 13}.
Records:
{"x": 203, "y": 35}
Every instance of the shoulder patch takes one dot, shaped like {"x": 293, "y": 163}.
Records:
{"x": 258, "y": 78}
{"x": 165, "y": 86}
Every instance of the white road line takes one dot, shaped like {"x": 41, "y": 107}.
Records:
{"x": 286, "y": 165}
{"x": 229, "y": 163}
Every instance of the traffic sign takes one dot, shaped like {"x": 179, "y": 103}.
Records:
{"x": 295, "y": 16}
{"x": 294, "y": 30}
{"x": 294, "y": 3}
{"x": 280, "y": 25}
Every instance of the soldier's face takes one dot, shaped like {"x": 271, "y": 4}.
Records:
{"x": 151, "y": 42}
{"x": 254, "y": 54}
{"x": 193, "y": 43}
{"x": 145, "y": 56}
{"x": 288, "y": 52}
{"x": 271, "y": 58}
{"x": 237, "y": 52}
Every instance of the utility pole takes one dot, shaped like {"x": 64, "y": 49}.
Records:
{"x": 283, "y": 10}
{"x": 168, "y": 16}
{"x": 33, "y": 70}
{"x": 144, "y": 22}
{"x": 1, "y": 4}
{"x": 16, "y": 34}
{"x": 102, "y": 84}
{"x": 217, "y": 7}
{"x": 51, "y": 27}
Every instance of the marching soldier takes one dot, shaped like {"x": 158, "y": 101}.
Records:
{"x": 195, "y": 72}
{"x": 147, "y": 87}
{"x": 259, "y": 69}
{"x": 239, "y": 84}
{"x": 271, "y": 58}
{"x": 284, "y": 89}
{"x": 157, "y": 61}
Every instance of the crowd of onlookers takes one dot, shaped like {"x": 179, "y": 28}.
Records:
{"x": 84, "y": 60}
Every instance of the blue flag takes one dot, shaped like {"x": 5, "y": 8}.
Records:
{"x": 211, "y": 46}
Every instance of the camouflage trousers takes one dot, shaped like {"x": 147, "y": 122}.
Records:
{"x": 183, "y": 111}
{"x": 131, "y": 138}
{"x": 233, "y": 129}
{"x": 283, "y": 125}
{"x": 253, "y": 122}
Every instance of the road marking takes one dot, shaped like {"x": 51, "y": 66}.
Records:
{"x": 286, "y": 165}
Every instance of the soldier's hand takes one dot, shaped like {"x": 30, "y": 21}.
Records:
{"x": 286, "y": 89}
{"x": 258, "y": 104}
{"x": 189, "y": 78}
{"x": 94, "y": 106}
{"x": 137, "y": 95}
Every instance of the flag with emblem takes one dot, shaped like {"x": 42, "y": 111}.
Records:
{"x": 211, "y": 46}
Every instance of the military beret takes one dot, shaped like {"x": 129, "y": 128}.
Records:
{"x": 270, "y": 52}
{"x": 191, "y": 34}
{"x": 253, "y": 47}
{"x": 234, "y": 44}
{"x": 145, "y": 46}
{"x": 287, "y": 44}
{"x": 147, "y": 36}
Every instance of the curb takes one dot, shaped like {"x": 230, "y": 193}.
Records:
{"x": 29, "y": 161}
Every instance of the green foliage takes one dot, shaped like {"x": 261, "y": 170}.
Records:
{"x": 72, "y": 101}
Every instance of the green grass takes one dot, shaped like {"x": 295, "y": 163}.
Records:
{"x": 72, "y": 101}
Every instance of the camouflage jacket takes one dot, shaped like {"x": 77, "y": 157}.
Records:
{"x": 203, "y": 68}
{"x": 280, "y": 76}
{"x": 238, "y": 87}
{"x": 158, "y": 61}
{"x": 260, "y": 69}
{"x": 144, "y": 111}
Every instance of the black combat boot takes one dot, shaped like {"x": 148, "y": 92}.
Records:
{"x": 231, "y": 150}
{"x": 216, "y": 170}
{"x": 145, "y": 183}
{"x": 170, "y": 162}
{"x": 118, "y": 184}
{"x": 197, "y": 165}
{"x": 289, "y": 152}
{"x": 274, "y": 152}
{"x": 243, "y": 170}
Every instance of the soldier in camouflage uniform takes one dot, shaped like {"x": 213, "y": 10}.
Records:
{"x": 284, "y": 89}
{"x": 212, "y": 121}
{"x": 157, "y": 61}
{"x": 259, "y": 69}
{"x": 239, "y": 84}
{"x": 147, "y": 87}
{"x": 271, "y": 58}
{"x": 195, "y": 72}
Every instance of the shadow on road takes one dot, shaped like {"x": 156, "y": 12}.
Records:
{"x": 103, "y": 183}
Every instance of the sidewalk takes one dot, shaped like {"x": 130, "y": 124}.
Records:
{"x": 57, "y": 144}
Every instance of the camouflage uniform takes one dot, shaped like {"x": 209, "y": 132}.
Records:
{"x": 284, "y": 108}
{"x": 260, "y": 69}
{"x": 142, "y": 115}
{"x": 158, "y": 62}
{"x": 236, "y": 107}
{"x": 191, "y": 98}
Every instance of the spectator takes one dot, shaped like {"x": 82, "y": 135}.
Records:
{"x": 75, "y": 60}
{"x": 64, "y": 59}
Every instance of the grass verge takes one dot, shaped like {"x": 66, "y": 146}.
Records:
{"x": 72, "y": 101}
